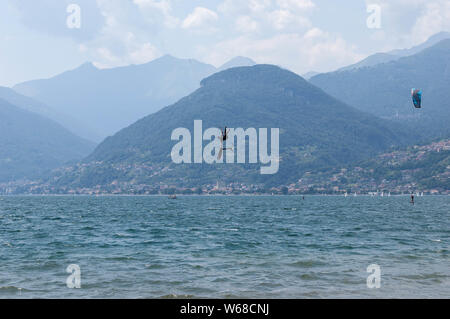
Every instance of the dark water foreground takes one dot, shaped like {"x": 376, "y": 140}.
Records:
{"x": 226, "y": 247}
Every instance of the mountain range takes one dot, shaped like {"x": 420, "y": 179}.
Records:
{"x": 384, "y": 57}
{"x": 334, "y": 120}
{"x": 316, "y": 131}
{"x": 107, "y": 100}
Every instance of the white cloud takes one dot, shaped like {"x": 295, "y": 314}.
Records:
{"x": 82, "y": 48}
{"x": 107, "y": 59}
{"x": 135, "y": 53}
{"x": 405, "y": 23}
{"x": 49, "y": 17}
{"x": 199, "y": 18}
{"x": 123, "y": 39}
{"x": 246, "y": 24}
{"x": 259, "y": 5}
{"x": 268, "y": 16}
{"x": 312, "y": 50}
{"x": 282, "y": 19}
{"x": 162, "y": 5}
{"x": 231, "y": 7}
{"x": 144, "y": 54}
{"x": 281, "y": 32}
{"x": 435, "y": 18}
{"x": 296, "y": 4}
{"x": 162, "y": 8}
{"x": 314, "y": 33}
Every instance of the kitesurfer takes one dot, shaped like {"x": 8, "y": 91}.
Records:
{"x": 224, "y": 134}
{"x": 223, "y": 139}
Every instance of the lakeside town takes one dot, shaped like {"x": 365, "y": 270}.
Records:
{"x": 397, "y": 172}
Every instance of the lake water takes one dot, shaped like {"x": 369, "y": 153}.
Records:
{"x": 224, "y": 247}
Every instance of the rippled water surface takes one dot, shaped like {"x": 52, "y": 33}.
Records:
{"x": 225, "y": 247}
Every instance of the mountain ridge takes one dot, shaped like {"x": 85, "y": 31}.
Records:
{"x": 34, "y": 106}
{"x": 316, "y": 130}
{"x": 111, "y": 99}
{"x": 384, "y": 57}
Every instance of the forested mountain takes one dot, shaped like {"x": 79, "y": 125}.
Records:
{"x": 316, "y": 131}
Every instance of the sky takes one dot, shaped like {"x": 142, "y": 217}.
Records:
{"x": 42, "y": 38}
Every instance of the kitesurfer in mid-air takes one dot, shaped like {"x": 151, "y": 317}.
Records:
{"x": 224, "y": 134}
{"x": 223, "y": 139}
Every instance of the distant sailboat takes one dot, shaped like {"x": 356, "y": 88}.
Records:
{"x": 345, "y": 195}
{"x": 389, "y": 195}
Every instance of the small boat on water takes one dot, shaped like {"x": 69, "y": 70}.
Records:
{"x": 173, "y": 196}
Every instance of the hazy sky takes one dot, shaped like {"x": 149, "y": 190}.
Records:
{"x": 301, "y": 35}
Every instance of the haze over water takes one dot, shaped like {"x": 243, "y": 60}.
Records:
{"x": 226, "y": 247}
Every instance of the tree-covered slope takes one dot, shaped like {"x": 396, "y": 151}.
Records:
{"x": 418, "y": 168}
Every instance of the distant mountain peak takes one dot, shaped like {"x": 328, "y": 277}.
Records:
{"x": 432, "y": 40}
{"x": 237, "y": 62}
{"x": 87, "y": 66}
{"x": 168, "y": 57}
